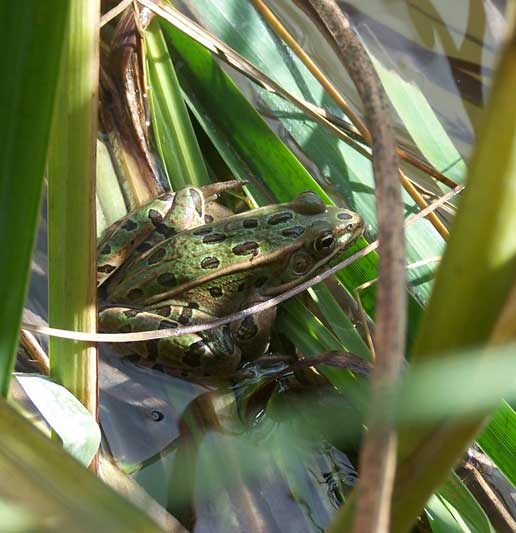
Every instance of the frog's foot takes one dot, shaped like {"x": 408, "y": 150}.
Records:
{"x": 208, "y": 353}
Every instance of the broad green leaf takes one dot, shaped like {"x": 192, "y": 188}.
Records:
{"x": 32, "y": 33}
{"x": 78, "y": 431}
{"x": 16, "y": 518}
{"x": 343, "y": 327}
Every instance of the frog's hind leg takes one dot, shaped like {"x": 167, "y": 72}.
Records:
{"x": 127, "y": 234}
{"x": 208, "y": 353}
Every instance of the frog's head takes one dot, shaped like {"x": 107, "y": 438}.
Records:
{"x": 328, "y": 231}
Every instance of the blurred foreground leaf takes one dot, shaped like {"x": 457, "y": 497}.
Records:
{"x": 52, "y": 486}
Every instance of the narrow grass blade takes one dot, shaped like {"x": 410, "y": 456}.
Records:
{"x": 71, "y": 205}
{"x": 110, "y": 200}
{"x": 422, "y": 123}
{"x": 177, "y": 144}
{"x": 498, "y": 440}
{"x": 32, "y": 35}
{"x": 466, "y": 510}
{"x": 454, "y": 508}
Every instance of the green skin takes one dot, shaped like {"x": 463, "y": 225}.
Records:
{"x": 164, "y": 266}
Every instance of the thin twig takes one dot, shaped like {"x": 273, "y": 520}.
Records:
{"x": 378, "y": 454}
{"x": 35, "y": 351}
{"x": 112, "y": 13}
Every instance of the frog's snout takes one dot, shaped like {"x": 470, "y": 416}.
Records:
{"x": 351, "y": 224}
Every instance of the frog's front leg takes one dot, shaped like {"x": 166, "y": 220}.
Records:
{"x": 207, "y": 353}
{"x": 253, "y": 333}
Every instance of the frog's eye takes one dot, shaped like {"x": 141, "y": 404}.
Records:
{"x": 325, "y": 243}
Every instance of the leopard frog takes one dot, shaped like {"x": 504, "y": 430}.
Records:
{"x": 172, "y": 263}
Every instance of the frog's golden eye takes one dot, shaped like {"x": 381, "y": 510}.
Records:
{"x": 325, "y": 243}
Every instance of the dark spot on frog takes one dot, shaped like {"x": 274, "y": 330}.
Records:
{"x": 133, "y": 294}
{"x": 345, "y": 216}
{"x": 129, "y": 225}
{"x": 250, "y": 223}
{"x": 106, "y": 249}
{"x": 204, "y": 230}
{"x": 185, "y": 316}
{"x": 278, "y": 218}
{"x": 193, "y": 305}
{"x": 167, "y": 279}
{"x": 131, "y": 313}
{"x": 216, "y": 292}
{"x": 156, "y": 257}
{"x": 208, "y": 219}
{"x": 157, "y": 416}
{"x": 167, "y": 324}
{"x": 213, "y": 238}
{"x": 155, "y": 217}
{"x": 247, "y": 329}
{"x": 163, "y": 311}
{"x": 144, "y": 247}
{"x": 210, "y": 262}
{"x": 106, "y": 269}
{"x": 248, "y": 247}
{"x": 293, "y": 232}
{"x": 165, "y": 230}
